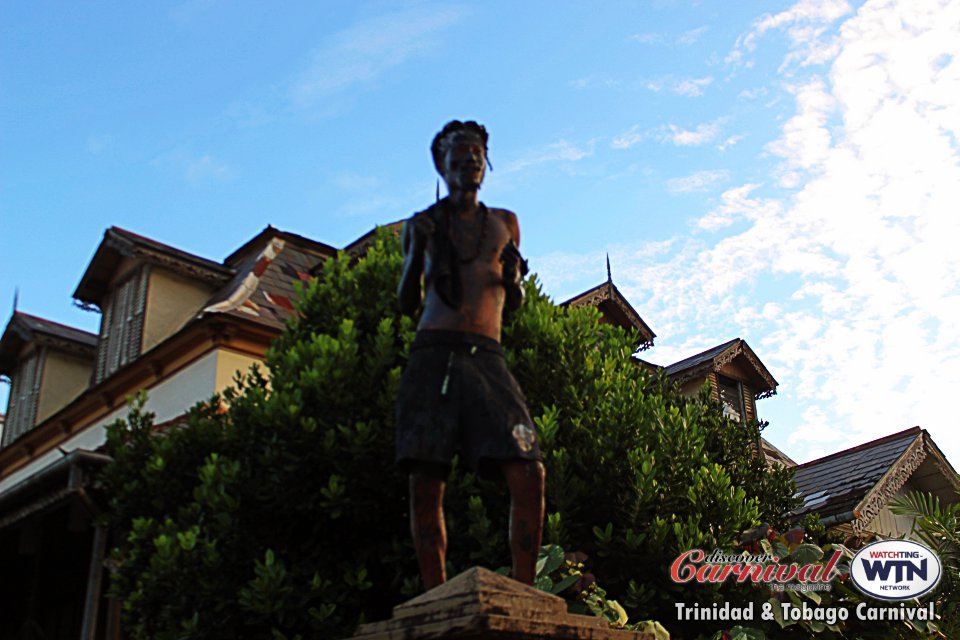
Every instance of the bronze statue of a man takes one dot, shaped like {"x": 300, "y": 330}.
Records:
{"x": 456, "y": 394}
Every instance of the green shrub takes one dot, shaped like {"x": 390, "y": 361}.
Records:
{"x": 283, "y": 516}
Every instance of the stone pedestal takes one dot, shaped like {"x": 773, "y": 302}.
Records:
{"x": 479, "y": 604}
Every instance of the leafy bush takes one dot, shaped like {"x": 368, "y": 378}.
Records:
{"x": 276, "y": 510}
{"x": 938, "y": 527}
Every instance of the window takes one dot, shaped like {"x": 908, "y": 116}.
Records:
{"x": 731, "y": 395}
{"x": 121, "y": 327}
{"x": 24, "y": 394}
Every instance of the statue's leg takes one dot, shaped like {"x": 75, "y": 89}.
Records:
{"x": 526, "y": 480}
{"x": 427, "y": 526}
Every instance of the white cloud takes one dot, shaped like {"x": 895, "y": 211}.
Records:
{"x": 807, "y": 141}
{"x": 360, "y": 54}
{"x": 560, "y": 151}
{"x": 701, "y": 134}
{"x": 628, "y": 138}
{"x": 692, "y": 87}
{"x": 753, "y": 94}
{"x": 730, "y": 141}
{"x": 699, "y": 181}
{"x": 196, "y": 168}
{"x": 689, "y": 87}
{"x": 848, "y": 283}
{"x": 879, "y": 204}
{"x": 805, "y": 22}
{"x": 206, "y": 168}
{"x": 736, "y": 203}
{"x": 691, "y": 36}
{"x": 648, "y": 38}
{"x": 591, "y": 82}
{"x": 684, "y": 39}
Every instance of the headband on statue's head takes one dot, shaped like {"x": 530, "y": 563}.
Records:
{"x": 450, "y": 131}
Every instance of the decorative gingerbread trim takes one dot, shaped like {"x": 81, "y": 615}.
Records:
{"x": 727, "y": 356}
{"x": 69, "y": 346}
{"x": 181, "y": 267}
{"x": 761, "y": 370}
{"x": 892, "y": 481}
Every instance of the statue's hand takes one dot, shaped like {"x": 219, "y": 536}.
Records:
{"x": 423, "y": 227}
{"x": 514, "y": 268}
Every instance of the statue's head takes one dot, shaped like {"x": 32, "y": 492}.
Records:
{"x": 460, "y": 153}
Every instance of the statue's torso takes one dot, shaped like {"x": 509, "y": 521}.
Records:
{"x": 478, "y": 247}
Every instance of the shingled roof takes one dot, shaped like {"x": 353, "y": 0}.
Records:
{"x": 257, "y": 243}
{"x": 615, "y": 308}
{"x": 24, "y": 328}
{"x": 119, "y": 243}
{"x": 713, "y": 359}
{"x": 360, "y": 245}
{"x": 854, "y": 484}
{"x": 266, "y": 268}
{"x": 254, "y": 282}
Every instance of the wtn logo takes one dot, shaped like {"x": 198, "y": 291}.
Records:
{"x": 895, "y": 569}
{"x": 905, "y": 570}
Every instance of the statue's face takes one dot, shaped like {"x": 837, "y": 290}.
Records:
{"x": 464, "y": 162}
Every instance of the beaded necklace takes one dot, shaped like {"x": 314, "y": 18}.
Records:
{"x": 482, "y": 212}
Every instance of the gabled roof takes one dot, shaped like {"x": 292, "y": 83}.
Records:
{"x": 713, "y": 359}
{"x": 774, "y": 455}
{"x": 257, "y": 243}
{"x": 854, "y": 484}
{"x": 361, "y": 244}
{"x": 24, "y": 328}
{"x": 266, "y": 268}
{"x": 119, "y": 243}
{"x": 615, "y": 307}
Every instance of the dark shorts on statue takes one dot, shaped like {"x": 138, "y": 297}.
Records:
{"x": 457, "y": 396}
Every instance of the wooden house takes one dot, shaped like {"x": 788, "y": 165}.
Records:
{"x": 851, "y": 489}
{"x": 172, "y": 323}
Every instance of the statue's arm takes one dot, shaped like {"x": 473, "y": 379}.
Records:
{"x": 514, "y": 266}
{"x": 413, "y": 242}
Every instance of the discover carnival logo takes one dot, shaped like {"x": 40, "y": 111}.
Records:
{"x": 895, "y": 570}
{"x": 719, "y": 567}
{"x": 891, "y": 570}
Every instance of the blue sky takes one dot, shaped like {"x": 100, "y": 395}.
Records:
{"x": 785, "y": 172}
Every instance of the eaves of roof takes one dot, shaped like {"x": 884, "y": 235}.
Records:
{"x": 24, "y": 328}
{"x": 853, "y": 485}
{"x": 360, "y": 245}
{"x": 170, "y": 356}
{"x": 609, "y": 297}
{"x": 119, "y": 243}
{"x": 715, "y": 358}
{"x": 259, "y": 241}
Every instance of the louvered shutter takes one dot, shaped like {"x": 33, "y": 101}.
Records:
{"x": 121, "y": 331}
{"x": 138, "y": 308}
{"x": 118, "y": 326}
{"x": 103, "y": 345}
{"x": 749, "y": 403}
{"x": 12, "y": 426}
{"x": 24, "y": 395}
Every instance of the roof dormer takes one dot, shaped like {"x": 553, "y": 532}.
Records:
{"x": 146, "y": 291}
{"x": 614, "y": 309}
{"x": 737, "y": 377}
{"x": 48, "y": 364}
